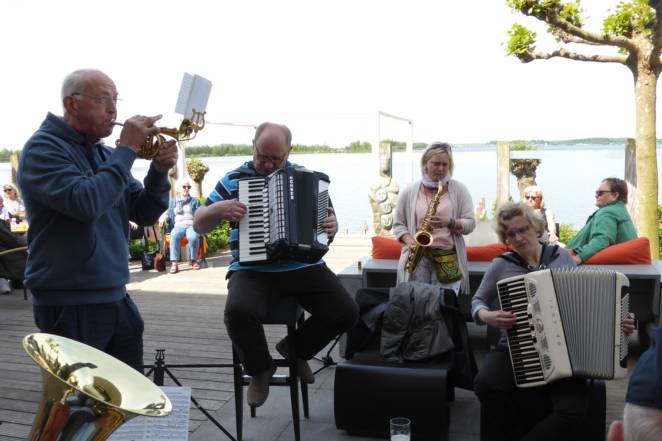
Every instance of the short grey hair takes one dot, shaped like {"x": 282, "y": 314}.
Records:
{"x": 78, "y": 80}
{"x": 510, "y": 210}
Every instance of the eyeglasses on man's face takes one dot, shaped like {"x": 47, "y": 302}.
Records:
{"x": 7, "y": 190}
{"x": 601, "y": 192}
{"x": 186, "y": 186}
{"x": 275, "y": 160}
{"x": 528, "y": 196}
{"x": 105, "y": 100}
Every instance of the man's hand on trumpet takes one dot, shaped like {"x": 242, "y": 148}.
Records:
{"x": 167, "y": 156}
{"x": 136, "y": 129}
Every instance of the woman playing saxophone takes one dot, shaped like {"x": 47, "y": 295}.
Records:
{"x": 439, "y": 210}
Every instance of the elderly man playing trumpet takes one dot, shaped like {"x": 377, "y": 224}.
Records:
{"x": 80, "y": 195}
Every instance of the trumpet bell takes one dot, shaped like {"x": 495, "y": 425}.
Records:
{"x": 86, "y": 393}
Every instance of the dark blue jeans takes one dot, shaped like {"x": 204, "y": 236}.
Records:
{"x": 332, "y": 311}
{"x": 115, "y": 328}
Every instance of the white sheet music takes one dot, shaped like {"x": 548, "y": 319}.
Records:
{"x": 193, "y": 94}
{"x": 174, "y": 427}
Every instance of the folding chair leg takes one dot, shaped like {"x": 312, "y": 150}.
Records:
{"x": 304, "y": 399}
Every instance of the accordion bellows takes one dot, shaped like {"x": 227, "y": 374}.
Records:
{"x": 569, "y": 324}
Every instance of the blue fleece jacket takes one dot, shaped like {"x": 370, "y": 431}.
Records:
{"x": 79, "y": 198}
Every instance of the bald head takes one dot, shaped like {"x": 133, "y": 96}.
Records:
{"x": 81, "y": 80}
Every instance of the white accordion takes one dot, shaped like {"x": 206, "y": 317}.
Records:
{"x": 569, "y": 324}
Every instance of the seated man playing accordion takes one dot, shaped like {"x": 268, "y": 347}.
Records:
{"x": 253, "y": 288}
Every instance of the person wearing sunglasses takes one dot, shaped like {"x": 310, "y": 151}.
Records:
{"x": 79, "y": 197}
{"x": 608, "y": 225}
{"x": 534, "y": 197}
{"x": 508, "y": 412}
{"x": 180, "y": 216}
{"x": 13, "y": 201}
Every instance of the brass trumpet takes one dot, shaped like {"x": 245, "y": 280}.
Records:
{"x": 87, "y": 394}
{"x": 423, "y": 237}
{"x": 186, "y": 131}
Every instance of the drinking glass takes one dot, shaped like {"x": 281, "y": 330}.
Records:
{"x": 400, "y": 429}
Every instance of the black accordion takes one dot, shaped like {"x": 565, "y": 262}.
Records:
{"x": 284, "y": 218}
{"x": 569, "y": 324}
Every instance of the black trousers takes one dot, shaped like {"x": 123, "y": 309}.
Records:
{"x": 555, "y": 411}
{"x": 250, "y": 294}
{"x": 115, "y": 328}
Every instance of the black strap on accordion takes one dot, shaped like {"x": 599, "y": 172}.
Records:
{"x": 548, "y": 255}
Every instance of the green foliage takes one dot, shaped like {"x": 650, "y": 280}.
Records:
{"x": 219, "y": 238}
{"x": 629, "y": 18}
{"x": 566, "y": 233}
{"x": 520, "y": 145}
{"x": 536, "y": 8}
{"x": 571, "y": 12}
{"x": 196, "y": 169}
{"x": 521, "y": 42}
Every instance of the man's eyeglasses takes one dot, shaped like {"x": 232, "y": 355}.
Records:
{"x": 7, "y": 190}
{"x": 106, "y": 100}
{"x": 186, "y": 186}
{"x": 528, "y": 196}
{"x": 512, "y": 233}
{"x": 601, "y": 192}
{"x": 275, "y": 160}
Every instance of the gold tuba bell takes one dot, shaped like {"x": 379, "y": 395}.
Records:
{"x": 423, "y": 237}
{"x": 186, "y": 131}
{"x": 87, "y": 394}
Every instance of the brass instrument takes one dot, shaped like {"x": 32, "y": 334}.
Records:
{"x": 423, "y": 237}
{"x": 186, "y": 131}
{"x": 87, "y": 394}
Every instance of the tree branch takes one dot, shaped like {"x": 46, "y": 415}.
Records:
{"x": 555, "y": 20}
{"x": 564, "y": 53}
{"x": 657, "y": 26}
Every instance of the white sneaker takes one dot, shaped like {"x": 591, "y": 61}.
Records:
{"x": 4, "y": 286}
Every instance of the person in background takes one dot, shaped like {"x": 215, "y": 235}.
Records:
{"x": 503, "y": 407}
{"x": 79, "y": 196}
{"x": 13, "y": 201}
{"x": 252, "y": 289}
{"x": 642, "y": 415}
{"x": 534, "y": 197}
{"x": 180, "y": 215}
{"x": 608, "y": 225}
{"x": 445, "y": 263}
{"x": 4, "y": 212}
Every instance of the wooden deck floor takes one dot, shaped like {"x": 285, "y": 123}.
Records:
{"x": 190, "y": 327}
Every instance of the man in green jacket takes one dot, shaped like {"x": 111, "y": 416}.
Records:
{"x": 608, "y": 225}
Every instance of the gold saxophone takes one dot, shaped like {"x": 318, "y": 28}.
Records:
{"x": 423, "y": 237}
{"x": 186, "y": 131}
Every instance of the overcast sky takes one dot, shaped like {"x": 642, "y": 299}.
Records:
{"x": 323, "y": 68}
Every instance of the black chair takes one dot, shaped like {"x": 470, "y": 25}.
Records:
{"x": 289, "y": 313}
{"x": 13, "y": 257}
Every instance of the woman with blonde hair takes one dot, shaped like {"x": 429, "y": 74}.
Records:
{"x": 445, "y": 262}
{"x": 13, "y": 201}
{"x": 180, "y": 215}
{"x": 534, "y": 197}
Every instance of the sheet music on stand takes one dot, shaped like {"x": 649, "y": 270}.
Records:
{"x": 174, "y": 427}
{"x": 193, "y": 94}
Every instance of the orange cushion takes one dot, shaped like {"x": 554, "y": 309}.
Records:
{"x": 633, "y": 252}
{"x": 385, "y": 248}
{"x": 486, "y": 253}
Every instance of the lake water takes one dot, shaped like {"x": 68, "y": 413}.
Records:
{"x": 568, "y": 176}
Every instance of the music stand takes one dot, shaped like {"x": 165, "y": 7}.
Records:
{"x": 327, "y": 360}
{"x": 159, "y": 369}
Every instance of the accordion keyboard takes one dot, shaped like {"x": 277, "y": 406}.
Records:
{"x": 255, "y": 225}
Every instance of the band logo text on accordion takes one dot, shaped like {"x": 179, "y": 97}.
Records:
{"x": 569, "y": 324}
{"x": 285, "y": 211}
